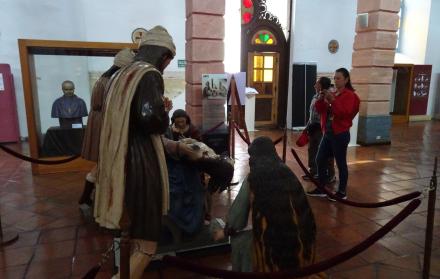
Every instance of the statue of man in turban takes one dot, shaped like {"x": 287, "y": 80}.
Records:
{"x": 132, "y": 178}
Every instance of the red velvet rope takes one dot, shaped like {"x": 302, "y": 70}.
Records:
{"x": 306, "y": 271}
{"x": 212, "y": 129}
{"x": 241, "y": 135}
{"x": 394, "y": 201}
{"x": 277, "y": 141}
{"x": 36, "y": 161}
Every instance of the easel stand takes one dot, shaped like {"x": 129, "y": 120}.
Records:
{"x": 235, "y": 102}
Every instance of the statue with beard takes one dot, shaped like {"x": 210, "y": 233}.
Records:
{"x": 132, "y": 178}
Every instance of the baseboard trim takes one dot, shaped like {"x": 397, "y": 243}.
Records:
{"x": 420, "y": 117}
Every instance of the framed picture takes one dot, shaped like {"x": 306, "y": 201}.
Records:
{"x": 214, "y": 86}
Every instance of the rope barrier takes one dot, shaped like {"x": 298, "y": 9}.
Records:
{"x": 306, "y": 271}
{"x": 241, "y": 135}
{"x": 37, "y": 161}
{"x": 394, "y": 201}
{"x": 212, "y": 129}
{"x": 277, "y": 141}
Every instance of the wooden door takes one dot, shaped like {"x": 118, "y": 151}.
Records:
{"x": 263, "y": 76}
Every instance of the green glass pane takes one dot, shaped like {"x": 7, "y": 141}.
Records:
{"x": 265, "y": 37}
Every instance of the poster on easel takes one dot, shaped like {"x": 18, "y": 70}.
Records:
{"x": 214, "y": 91}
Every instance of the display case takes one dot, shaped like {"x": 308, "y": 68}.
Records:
{"x": 45, "y": 65}
{"x": 410, "y": 92}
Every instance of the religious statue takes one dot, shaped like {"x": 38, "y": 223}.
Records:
{"x": 283, "y": 232}
{"x": 69, "y": 109}
{"x": 92, "y": 135}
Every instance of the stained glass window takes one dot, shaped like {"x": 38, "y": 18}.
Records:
{"x": 247, "y": 11}
{"x": 264, "y": 37}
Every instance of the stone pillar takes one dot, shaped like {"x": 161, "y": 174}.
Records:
{"x": 372, "y": 73}
{"x": 205, "y": 31}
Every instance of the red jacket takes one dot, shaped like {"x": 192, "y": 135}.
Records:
{"x": 344, "y": 108}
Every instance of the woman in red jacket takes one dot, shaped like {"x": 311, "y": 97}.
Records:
{"x": 337, "y": 111}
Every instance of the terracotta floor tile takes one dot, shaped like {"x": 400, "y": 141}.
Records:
{"x": 349, "y": 265}
{"x": 15, "y": 257}
{"x": 364, "y": 272}
{"x": 400, "y": 245}
{"x": 386, "y": 272}
{"x": 377, "y": 253}
{"x": 83, "y": 263}
{"x": 16, "y": 272}
{"x": 56, "y": 235}
{"x": 411, "y": 263}
{"x": 34, "y": 222}
{"x": 56, "y": 268}
{"x": 346, "y": 235}
{"x": 25, "y": 239}
{"x": 55, "y": 250}
{"x": 435, "y": 264}
{"x": 48, "y": 203}
{"x": 85, "y": 246}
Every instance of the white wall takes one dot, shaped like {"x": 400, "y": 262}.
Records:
{"x": 414, "y": 31}
{"x": 232, "y": 36}
{"x": 32, "y": 19}
{"x": 114, "y": 21}
{"x": 99, "y": 20}
{"x": 433, "y": 57}
{"x": 315, "y": 24}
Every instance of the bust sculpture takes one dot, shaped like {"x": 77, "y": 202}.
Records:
{"x": 69, "y": 109}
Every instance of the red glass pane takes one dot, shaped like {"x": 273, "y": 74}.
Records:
{"x": 247, "y": 3}
{"x": 247, "y": 17}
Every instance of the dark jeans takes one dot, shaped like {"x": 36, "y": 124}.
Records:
{"x": 315, "y": 136}
{"x": 334, "y": 145}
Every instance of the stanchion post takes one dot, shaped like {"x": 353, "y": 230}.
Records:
{"x": 430, "y": 223}
{"x": 232, "y": 117}
{"x": 284, "y": 144}
{"x": 124, "y": 263}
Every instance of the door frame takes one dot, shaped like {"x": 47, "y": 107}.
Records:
{"x": 275, "y": 85}
{"x": 404, "y": 118}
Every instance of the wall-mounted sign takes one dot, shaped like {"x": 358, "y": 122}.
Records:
{"x": 333, "y": 46}
{"x": 181, "y": 63}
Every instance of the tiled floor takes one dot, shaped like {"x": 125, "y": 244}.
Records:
{"x": 56, "y": 242}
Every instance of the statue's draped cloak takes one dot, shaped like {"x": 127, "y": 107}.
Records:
{"x": 132, "y": 173}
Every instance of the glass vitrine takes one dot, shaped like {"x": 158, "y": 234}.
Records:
{"x": 56, "y": 116}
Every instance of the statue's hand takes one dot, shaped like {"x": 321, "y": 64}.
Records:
{"x": 168, "y": 104}
{"x": 218, "y": 235}
{"x": 190, "y": 153}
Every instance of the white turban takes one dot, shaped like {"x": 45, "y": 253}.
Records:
{"x": 159, "y": 36}
{"x": 123, "y": 58}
